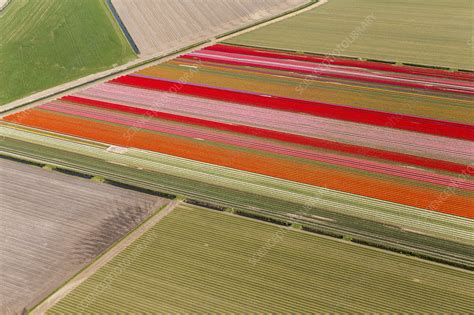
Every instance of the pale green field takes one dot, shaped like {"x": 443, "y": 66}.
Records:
{"x": 44, "y": 43}
{"x": 435, "y": 32}
{"x": 197, "y": 260}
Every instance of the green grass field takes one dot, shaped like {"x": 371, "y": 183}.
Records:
{"x": 436, "y": 32}
{"x": 197, "y": 260}
{"x": 49, "y": 42}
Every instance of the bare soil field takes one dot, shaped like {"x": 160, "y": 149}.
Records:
{"x": 161, "y": 26}
{"x": 52, "y": 225}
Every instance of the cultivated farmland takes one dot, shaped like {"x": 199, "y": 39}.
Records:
{"x": 307, "y": 142}
{"x": 197, "y": 260}
{"x": 52, "y": 225}
{"x": 277, "y": 142}
{"x": 433, "y": 33}
{"x": 131, "y": 170}
{"x": 50, "y": 42}
{"x": 161, "y": 26}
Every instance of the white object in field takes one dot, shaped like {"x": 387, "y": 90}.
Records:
{"x": 116, "y": 149}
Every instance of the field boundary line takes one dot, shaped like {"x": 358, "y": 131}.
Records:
{"x": 110, "y": 254}
{"x": 122, "y": 26}
{"x": 140, "y": 63}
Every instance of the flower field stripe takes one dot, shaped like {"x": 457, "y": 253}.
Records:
{"x": 419, "y": 144}
{"x": 343, "y": 62}
{"x": 256, "y": 144}
{"x": 329, "y": 69}
{"x": 395, "y": 191}
{"x": 371, "y": 117}
{"x": 414, "y": 103}
{"x": 270, "y": 134}
{"x": 425, "y": 83}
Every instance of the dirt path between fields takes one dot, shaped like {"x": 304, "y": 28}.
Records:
{"x": 108, "y": 256}
{"x": 133, "y": 66}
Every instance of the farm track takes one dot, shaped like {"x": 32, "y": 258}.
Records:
{"x": 120, "y": 170}
{"x": 204, "y": 261}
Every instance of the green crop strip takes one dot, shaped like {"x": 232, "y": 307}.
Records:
{"x": 197, "y": 260}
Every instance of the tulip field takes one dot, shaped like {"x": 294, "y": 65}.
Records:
{"x": 342, "y": 148}
{"x": 188, "y": 119}
{"x": 305, "y": 164}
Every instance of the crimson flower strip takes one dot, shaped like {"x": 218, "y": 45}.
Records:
{"x": 370, "y": 117}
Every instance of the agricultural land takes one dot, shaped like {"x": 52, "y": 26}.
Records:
{"x": 197, "y": 260}
{"x": 188, "y": 119}
{"x": 151, "y": 23}
{"x": 434, "y": 33}
{"x": 52, "y": 225}
{"x": 237, "y": 156}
